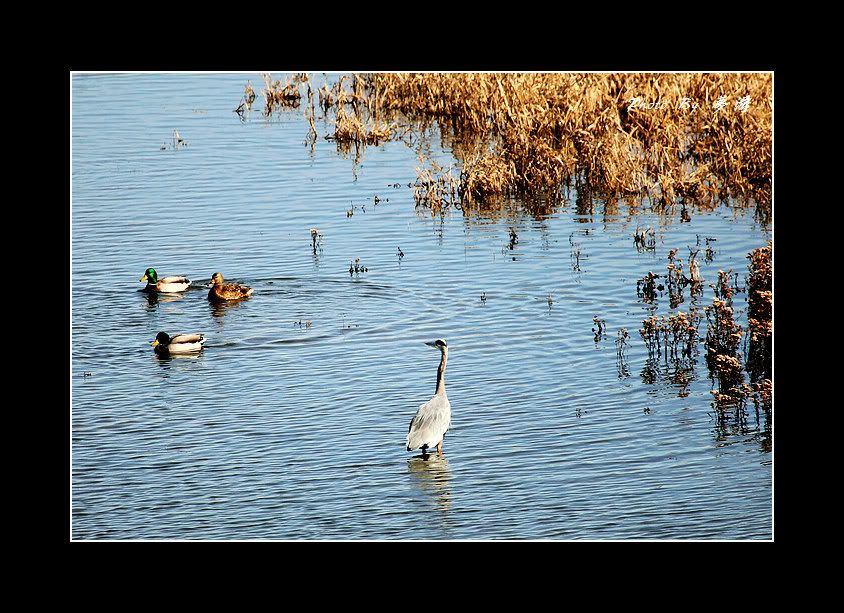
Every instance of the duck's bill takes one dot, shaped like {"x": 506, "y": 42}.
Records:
{"x": 144, "y": 278}
{"x": 154, "y": 343}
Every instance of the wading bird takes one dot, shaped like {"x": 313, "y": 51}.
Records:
{"x": 433, "y": 418}
{"x": 164, "y": 285}
{"x": 178, "y": 344}
{"x": 221, "y": 291}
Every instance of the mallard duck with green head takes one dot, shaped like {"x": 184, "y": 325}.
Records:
{"x": 221, "y": 291}
{"x": 164, "y": 285}
{"x": 177, "y": 344}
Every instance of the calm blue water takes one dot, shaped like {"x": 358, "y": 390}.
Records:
{"x": 291, "y": 423}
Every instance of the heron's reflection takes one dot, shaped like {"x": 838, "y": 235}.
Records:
{"x": 432, "y": 476}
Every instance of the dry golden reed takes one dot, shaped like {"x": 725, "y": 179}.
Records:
{"x": 281, "y": 94}
{"x": 616, "y": 135}
{"x": 435, "y": 187}
{"x": 535, "y": 132}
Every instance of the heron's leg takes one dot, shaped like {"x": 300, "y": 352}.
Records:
{"x": 440, "y": 448}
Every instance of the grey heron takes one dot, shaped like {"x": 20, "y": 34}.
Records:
{"x": 433, "y": 418}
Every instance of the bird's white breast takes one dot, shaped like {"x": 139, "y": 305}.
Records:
{"x": 430, "y": 423}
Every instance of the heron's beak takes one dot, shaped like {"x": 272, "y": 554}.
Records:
{"x": 154, "y": 343}
{"x": 144, "y": 278}
{"x": 432, "y": 344}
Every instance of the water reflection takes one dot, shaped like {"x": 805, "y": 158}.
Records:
{"x": 432, "y": 476}
{"x": 164, "y": 359}
{"x": 219, "y": 309}
{"x": 621, "y": 354}
{"x": 739, "y": 420}
{"x": 170, "y": 365}
{"x": 674, "y": 373}
{"x": 154, "y": 298}
{"x": 583, "y": 202}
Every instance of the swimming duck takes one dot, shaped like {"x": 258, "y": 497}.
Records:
{"x": 178, "y": 344}
{"x": 164, "y": 285}
{"x": 221, "y": 291}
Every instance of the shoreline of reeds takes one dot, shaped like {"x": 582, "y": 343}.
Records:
{"x": 662, "y": 137}
{"x": 738, "y": 376}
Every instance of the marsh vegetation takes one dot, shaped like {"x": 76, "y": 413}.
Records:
{"x": 677, "y": 140}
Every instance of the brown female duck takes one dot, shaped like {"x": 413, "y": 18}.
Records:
{"x": 221, "y": 291}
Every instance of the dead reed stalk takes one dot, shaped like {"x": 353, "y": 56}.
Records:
{"x": 675, "y": 334}
{"x": 278, "y": 94}
{"x": 760, "y": 308}
{"x": 436, "y": 187}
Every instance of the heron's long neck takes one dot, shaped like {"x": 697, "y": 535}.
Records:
{"x": 441, "y": 372}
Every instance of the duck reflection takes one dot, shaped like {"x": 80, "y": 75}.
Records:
{"x": 154, "y": 298}
{"x": 170, "y": 365}
{"x": 432, "y": 476}
{"x": 219, "y": 309}
{"x": 164, "y": 358}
